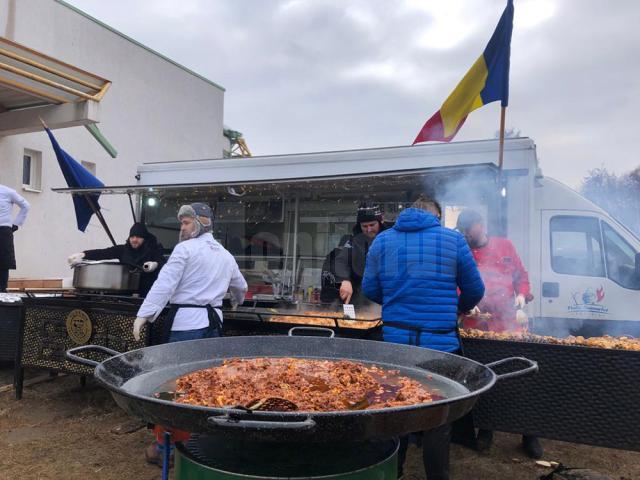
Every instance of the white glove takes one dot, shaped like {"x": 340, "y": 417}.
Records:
{"x": 75, "y": 258}
{"x": 137, "y": 326}
{"x": 149, "y": 266}
{"x": 522, "y": 318}
{"x": 475, "y": 311}
{"x": 520, "y": 302}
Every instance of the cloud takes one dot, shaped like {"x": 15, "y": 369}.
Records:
{"x": 313, "y": 75}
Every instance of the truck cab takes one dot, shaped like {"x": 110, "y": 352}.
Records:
{"x": 588, "y": 275}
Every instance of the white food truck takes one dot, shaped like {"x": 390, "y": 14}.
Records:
{"x": 281, "y": 215}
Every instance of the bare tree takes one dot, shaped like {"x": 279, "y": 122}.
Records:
{"x": 618, "y": 195}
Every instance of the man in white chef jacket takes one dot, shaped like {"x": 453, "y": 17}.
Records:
{"x": 193, "y": 282}
{"x": 8, "y": 226}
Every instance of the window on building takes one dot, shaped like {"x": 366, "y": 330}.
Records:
{"x": 26, "y": 170}
{"x": 621, "y": 259}
{"x": 576, "y": 248}
{"x": 89, "y": 166}
{"x": 32, "y": 170}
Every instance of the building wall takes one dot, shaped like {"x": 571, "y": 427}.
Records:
{"x": 155, "y": 110}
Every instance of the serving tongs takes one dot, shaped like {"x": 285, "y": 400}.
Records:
{"x": 268, "y": 404}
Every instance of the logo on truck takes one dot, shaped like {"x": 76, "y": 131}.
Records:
{"x": 589, "y": 301}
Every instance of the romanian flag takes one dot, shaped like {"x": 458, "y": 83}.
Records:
{"x": 486, "y": 82}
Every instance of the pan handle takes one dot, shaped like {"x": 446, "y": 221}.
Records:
{"x": 71, "y": 354}
{"x": 231, "y": 421}
{"x": 532, "y": 367}
{"x": 312, "y": 329}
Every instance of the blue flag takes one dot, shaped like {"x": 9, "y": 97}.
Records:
{"x": 77, "y": 177}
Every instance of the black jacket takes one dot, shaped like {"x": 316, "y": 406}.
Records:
{"x": 150, "y": 251}
{"x": 349, "y": 264}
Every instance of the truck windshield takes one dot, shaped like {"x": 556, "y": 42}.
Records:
{"x": 620, "y": 257}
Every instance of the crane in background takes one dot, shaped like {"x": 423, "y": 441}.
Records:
{"x": 237, "y": 145}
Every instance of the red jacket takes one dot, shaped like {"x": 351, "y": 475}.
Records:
{"x": 504, "y": 277}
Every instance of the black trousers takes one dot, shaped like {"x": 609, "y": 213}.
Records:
{"x": 4, "y": 280}
{"x": 435, "y": 452}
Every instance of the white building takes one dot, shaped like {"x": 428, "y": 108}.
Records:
{"x": 153, "y": 110}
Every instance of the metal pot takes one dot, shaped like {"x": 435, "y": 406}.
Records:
{"x": 106, "y": 276}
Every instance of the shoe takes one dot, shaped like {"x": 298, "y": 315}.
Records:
{"x": 532, "y": 447}
{"x": 484, "y": 440}
{"x": 153, "y": 455}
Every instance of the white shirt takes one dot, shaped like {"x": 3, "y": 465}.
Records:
{"x": 199, "y": 272}
{"x": 9, "y": 198}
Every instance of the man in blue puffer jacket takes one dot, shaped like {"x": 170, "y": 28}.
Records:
{"x": 415, "y": 270}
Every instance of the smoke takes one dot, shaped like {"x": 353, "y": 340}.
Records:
{"x": 565, "y": 327}
{"x": 619, "y": 195}
{"x": 369, "y": 311}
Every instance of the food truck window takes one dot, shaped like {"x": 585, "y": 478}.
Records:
{"x": 159, "y": 214}
{"x": 252, "y": 230}
{"x": 251, "y": 226}
{"x": 576, "y": 247}
{"x": 322, "y": 223}
{"x": 246, "y": 226}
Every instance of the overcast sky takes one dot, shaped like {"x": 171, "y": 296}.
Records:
{"x": 315, "y": 75}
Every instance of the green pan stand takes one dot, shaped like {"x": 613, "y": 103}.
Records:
{"x": 215, "y": 458}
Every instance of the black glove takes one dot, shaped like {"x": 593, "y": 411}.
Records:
{"x": 14, "y": 228}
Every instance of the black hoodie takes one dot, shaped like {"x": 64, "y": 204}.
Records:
{"x": 149, "y": 251}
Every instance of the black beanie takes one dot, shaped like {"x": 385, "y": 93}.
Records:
{"x": 368, "y": 212}
{"x": 138, "y": 230}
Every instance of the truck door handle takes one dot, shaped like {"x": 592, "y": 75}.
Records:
{"x": 550, "y": 289}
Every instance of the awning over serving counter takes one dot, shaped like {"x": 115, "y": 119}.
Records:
{"x": 355, "y": 166}
{"x": 34, "y": 85}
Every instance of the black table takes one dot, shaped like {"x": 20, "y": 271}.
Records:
{"x": 580, "y": 394}
{"x": 52, "y": 325}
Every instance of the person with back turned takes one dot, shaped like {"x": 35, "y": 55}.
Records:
{"x": 415, "y": 270}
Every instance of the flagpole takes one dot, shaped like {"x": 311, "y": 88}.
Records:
{"x": 503, "y": 111}
{"x": 100, "y": 217}
{"x": 501, "y": 182}
{"x": 133, "y": 212}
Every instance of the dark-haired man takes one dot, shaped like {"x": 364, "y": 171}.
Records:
{"x": 350, "y": 260}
